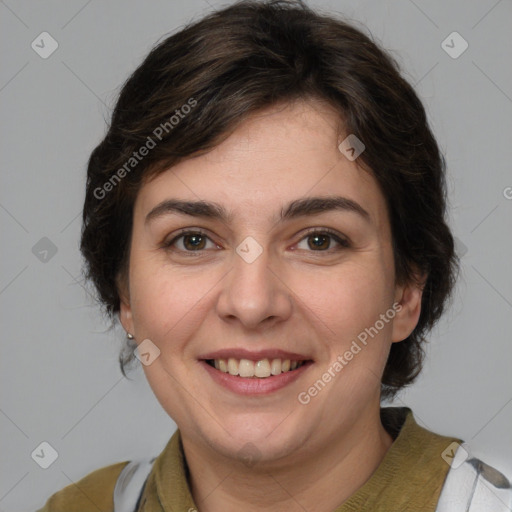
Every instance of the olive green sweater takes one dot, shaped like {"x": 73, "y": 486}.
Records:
{"x": 409, "y": 478}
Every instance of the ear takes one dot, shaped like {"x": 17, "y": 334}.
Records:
{"x": 408, "y": 297}
{"x": 125, "y": 310}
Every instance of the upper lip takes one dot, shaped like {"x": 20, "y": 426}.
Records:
{"x": 256, "y": 355}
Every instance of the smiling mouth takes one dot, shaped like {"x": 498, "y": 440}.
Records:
{"x": 261, "y": 369}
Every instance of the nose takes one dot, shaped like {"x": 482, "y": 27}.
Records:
{"x": 254, "y": 295}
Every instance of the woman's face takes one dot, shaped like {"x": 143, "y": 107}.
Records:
{"x": 252, "y": 290}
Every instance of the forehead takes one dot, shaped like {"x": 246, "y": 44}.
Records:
{"x": 276, "y": 156}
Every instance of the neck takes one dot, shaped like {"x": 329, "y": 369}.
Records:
{"x": 317, "y": 480}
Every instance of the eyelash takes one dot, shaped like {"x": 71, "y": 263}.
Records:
{"x": 343, "y": 242}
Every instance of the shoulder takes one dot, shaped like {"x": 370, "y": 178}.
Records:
{"x": 92, "y": 493}
{"x": 444, "y": 468}
{"x": 475, "y": 484}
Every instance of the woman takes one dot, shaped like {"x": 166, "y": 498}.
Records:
{"x": 265, "y": 216}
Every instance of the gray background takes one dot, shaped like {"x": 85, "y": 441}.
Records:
{"x": 60, "y": 377}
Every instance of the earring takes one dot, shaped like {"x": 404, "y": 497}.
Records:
{"x": 129, "y": 336}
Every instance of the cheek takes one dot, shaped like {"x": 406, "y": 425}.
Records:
{"x": 166, "y": 303}
{"x": 346, "y": 300}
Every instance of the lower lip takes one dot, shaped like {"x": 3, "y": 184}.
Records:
{"x": 256, "y": 385}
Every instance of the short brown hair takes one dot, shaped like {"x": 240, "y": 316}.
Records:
{"x": 246, "y": 57}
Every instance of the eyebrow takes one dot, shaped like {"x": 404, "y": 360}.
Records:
{"x": 295, "y": 209}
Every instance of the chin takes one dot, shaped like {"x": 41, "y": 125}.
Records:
{"x": 250, "y": 440}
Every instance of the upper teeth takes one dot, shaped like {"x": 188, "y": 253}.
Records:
{"x": 262, "y": 368}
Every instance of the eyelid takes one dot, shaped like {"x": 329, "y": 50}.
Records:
{"x": 167, "y": 243}
{"x": 341, "y": 239}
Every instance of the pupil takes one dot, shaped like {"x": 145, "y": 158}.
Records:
{"x": 317, "y": 238}
{"x": 194, "y": 240}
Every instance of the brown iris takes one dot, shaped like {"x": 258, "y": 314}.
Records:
{"x": 319, "y": 238}
{"x": 197, "y": 241}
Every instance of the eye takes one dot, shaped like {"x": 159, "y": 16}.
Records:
{"x": 190, "y": 241}
{"x": 317, "y": 240}
{"x": 320, "y": 240}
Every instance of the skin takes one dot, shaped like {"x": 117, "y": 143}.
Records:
{"x": 293, "y": 297}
